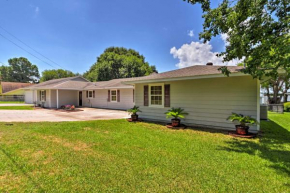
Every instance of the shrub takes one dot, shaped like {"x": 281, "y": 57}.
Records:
{"x": 287, "y": 106}
{"x": 243, "y": 120}
{"x": 134, "y": 110}
{"x": 176, "y": 113}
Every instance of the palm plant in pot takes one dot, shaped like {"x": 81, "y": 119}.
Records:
{"x": 176, "y": 114}
{"x": 133, "y": 111}
{"x": 244, "y": 123}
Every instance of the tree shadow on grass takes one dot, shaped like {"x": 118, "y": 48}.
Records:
{"x": 21, "y": 168}
{"x": 272, "y": 146}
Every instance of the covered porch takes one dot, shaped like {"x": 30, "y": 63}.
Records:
{"x": 55, "y": 98}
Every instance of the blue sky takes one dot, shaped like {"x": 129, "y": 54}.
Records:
{"x": 74, "y": 32}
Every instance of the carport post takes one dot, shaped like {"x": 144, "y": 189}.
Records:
{"x": 57, "y": 99}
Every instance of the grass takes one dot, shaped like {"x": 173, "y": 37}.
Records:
{"x": 11, "y": 102}
{"x": 16, "y": 108}
{"x": 117, "y": 156}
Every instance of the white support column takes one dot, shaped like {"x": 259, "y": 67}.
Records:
{"x": 57, "y": 99}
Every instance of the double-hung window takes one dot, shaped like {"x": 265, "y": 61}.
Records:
{"x": 42, "y": 95}
{"x": 156, "y": 95}
{"x": 90, "y": 94}
{"x": 113, "y": 95}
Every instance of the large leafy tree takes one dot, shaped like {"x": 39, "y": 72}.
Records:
{"x": 20, "y": 70}
{"x": 257, "y": 31}
{"x": 118, "y": 62}
{"x": 55, "y": 74}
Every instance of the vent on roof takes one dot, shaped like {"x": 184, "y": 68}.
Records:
{"x": 209, "y": 64}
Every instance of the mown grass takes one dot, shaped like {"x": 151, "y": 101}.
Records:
{"x": 117, "y": 156}
{"x": 16, "y": 108}
{"x": 11, "y": 102}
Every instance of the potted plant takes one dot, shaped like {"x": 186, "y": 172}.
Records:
{"x": 133, "y": 111}
{"x": 176, "y": 114}
{"x": 244, "y": 123}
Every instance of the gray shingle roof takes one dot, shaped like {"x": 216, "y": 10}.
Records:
{"x": 192, "y": 71}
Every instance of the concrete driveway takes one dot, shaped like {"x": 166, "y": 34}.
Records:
{"x": 51, "y": 115}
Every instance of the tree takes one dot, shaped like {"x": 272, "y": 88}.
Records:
{"x": 55, "y": 74}
{"x": 118, "y": 62}
{"x": 276, "y": 89}
{"x": 20, "y": 70}
{"x": 257, "y": 31}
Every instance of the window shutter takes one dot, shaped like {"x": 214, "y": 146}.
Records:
{"x": 118, "y": 95}
{"x": 167, "y": 95}
{"x": 93, "y": 94}
{"x": 40, "y": 95}
{"x": 133, "y": 95}
{"x": 87, "y": 94}
{"x": 146, "y": 97}
{"x": 45, "y": 95}
{"x": 109, "y": 95}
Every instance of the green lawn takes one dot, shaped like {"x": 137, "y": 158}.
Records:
{"x": 117, "y": 156}
{"x": 16, "y": 108}
{"x": 11, "y": 102}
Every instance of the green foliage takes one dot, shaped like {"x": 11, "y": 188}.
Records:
{"x": 225, "y": 71}
{"x": 243, "y": 120}
{"x": 118, "y": 62}
{"x": 19, "y": 70}
{"x": 55, "y": 74}
{"x": 134, "y": 110}
{"x": 258, "y": 31}
{"x": 287, "y": 106}
{"x": 176, "y": 113}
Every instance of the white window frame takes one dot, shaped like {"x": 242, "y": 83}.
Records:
{"x": 114, "y": 95}
{"x": 162, "y": 102}
{"x": 42, "y": 96}
{"x": 89, "y": 94}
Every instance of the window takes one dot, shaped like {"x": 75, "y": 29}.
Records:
{"x": 42, "y": 95}
{"x": 156, "y": 95}
{"x": 114, "y": 95}
{"x": 90, "y": 94}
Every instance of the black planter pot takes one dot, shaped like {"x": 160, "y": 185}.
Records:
{"x": 175, "y": 122}
{"x": 242, "y": 130}
{"x": 134, "y": 117}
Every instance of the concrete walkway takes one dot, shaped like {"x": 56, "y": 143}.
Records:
{"x": 51, "y": 115}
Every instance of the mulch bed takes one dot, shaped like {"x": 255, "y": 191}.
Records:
{"x": 249, "y": 136}
{"x": 68, "y": 111}
{"x": 130, "y": 120}
{"x": 181, "y": 126}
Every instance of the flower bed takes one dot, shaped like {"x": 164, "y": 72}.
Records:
{"x": 68, "y": 107}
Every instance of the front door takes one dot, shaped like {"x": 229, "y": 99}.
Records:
{"x": 80, "y": 98}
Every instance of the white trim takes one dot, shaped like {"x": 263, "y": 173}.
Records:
{"x": 112, "y": 95}
{"x": 258, "y": 103}
{"x": 149, "y": 94}
{"x": 57, "y": 103}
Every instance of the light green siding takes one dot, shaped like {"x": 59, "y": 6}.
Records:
{"x": 208, "y": 101}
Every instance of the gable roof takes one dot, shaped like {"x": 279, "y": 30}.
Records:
{"x": 10, "y": 86}
{"x": 198, "y": 71}
{"x": 79, "y": 83}
{"x": 56, "y": 83}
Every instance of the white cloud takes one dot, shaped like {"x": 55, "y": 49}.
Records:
{"x": 36, "y": 10}
{"x": 225, "y": 38}
{"x": 197, "y": 53}
{"x": 190, "y": 33}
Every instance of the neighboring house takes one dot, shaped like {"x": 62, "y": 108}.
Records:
{"x": 207, "y": 95}
{"x": 79, "y": 92}
{"x": 12, "y": 90}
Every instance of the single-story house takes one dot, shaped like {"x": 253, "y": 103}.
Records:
{"x": 78, "y": 91}
{"x": 12, "y": 90}
{"x": 207, "y": 95}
